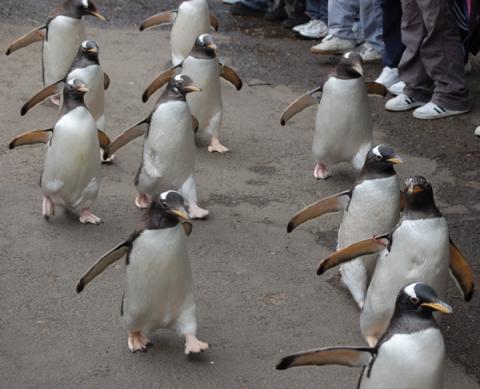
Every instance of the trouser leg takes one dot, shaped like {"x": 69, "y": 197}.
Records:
{"x": 371, "y": 22}
{"x": 341, "y": 16}
{"x": 392, "y": 35}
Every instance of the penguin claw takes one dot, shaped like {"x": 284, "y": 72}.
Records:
{"x": 138, "y": 342}
{"x": 321, "y": 172}
{"x": 216, "y": 146}
{"x": 142, "y": 201}
{"x": 194, "y": 346}
{"x": 86, "y": 216}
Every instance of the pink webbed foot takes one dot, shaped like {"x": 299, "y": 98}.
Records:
{"x": 195, "y": 212}
{"x": 48, "y": 208}
{"x": 138, "y": 342}
{"x": 86, "y": 216}
{"x": 321, "y": 171}
{"x": 142, "y": 201}
{"x": 55, "y": 99}
{"x": 193, "y": 345}
{"x": 216, "y": 146}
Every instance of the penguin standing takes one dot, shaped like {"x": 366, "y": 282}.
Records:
{"x": 410, "y": 354}
{"x": 159, "y": 282}
{"x": 203, "y": 66}
{"x": 169, "y": 148}
{"x": 418, "y": 249}
{"x": 61, "y": 35}
{"x": 85, "y": 67}
{"x": 343, "y": 125}
{"x": 369, "y": 208}
{"x": 193, "y": 18}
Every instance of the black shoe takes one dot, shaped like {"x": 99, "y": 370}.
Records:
{"x": 295, "y": 21}
{"x": 240, "y": 9}
{"x": 277, "y": 14}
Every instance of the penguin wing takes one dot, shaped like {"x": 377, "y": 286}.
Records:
{"x": 230, "y": 75}
{"x": 375, "y": 88}
{"x": 31, "y": 138}
{"x": 40, "y": 96}
{"x": 187, "y": 227}
{"x": 214, "y": 22}
{"x": 364, "y": 247}
{"x": 161, "y": 18}
{"x": 103, "y": 139}
{"x": 36, "y": 35}
{"x": 345, "y": 356}
{"x": 328, "y": 204}
{"x": 127, "y": 136}
{"x": 461, "y": 272}
{"x": 300, "y": 104}
{"x": 160, "y": 81}
{"x": 106, "y": 81}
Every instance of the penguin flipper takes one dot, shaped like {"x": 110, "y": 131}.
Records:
{"x": 161, "y": 18}
{"x": 187, "y": 227}
{"x": 328, "y": 204}
{"x": 230, "y": 75}
{"x": 359, "y": 249}
{"x": 40, "y": 97}
{"x": 214, "y": 22}
{"x": 375, "y": 88}
{"x": 160, "y": 81}
{"x": 31, "y": 138}
{"x": 127, "y": 136}
{"x": 103, "y": 139}
{"x": 299, "y": 104}
{"x": 36, "y": 35}
{"x": 461, "y": 272}
{"x": 345, "y": 356}
{"x": 106, "y": 81}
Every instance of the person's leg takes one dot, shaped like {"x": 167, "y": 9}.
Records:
{"x": 313, "y": 9}
{"x": 392, "y": 35}
{"x": 371, "y": 21}
{"x": 296, "y": 13}
{"x": 316, "y": 27}
{"x": 341, "y": 16}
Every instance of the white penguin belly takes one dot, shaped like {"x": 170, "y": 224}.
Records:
{"x": 92, "y": 76}
{"x": 205, "y": 74}
{"x": 159, "y": 285}
{"x": 65, "y": 36}
{"x": 71, "y": 175}
{"x": 343, "y": 124}
{"x": 408, "y": 361}
{"x": 193, "y": 20}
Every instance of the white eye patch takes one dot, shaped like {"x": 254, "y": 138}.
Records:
{"x": 410, "y": 290}
{"x": 376, "y": 151}
{"x": 85, "y": 3}
{"x": 164, "y": 195}
{"x": 71, "y": 82}
{"x": 202, "y": 38}
{"x": 178, "y": 77}
{"x": 84, "y": 44}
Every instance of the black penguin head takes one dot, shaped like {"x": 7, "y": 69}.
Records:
{"x": 379, "y": 162}
{"x": 182, "y": 84}
{"x": 419, "y": 195}
{"x": 75, "y": 89}
{"x": 350, "y": 66}
{"x": 171, "y": 203}
{"x": 204, "y": 45}
{"x": 420, "y": 298}
{"x": 79, "y": 8}
{"x": 90, "y": 50}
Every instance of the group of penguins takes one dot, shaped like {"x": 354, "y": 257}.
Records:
{"x": 394, "y": 249}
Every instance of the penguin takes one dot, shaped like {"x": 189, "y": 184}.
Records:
{"x": 61, "y": 35}
{"x": 410, "y": 354}
{"x": 71, "y": 174}
{"x": 203, "y": 66}
{"x": 343, "y": 124}
{"x": 85, "y": 67}
{"x": 417, "y": 249}
{"x": 193, "y": 18}
{"x": 169, "y": 147}
{"x": 159, "y": 283}
{"x": 370, "y": 207}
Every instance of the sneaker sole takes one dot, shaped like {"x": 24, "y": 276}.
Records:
{"x": 405, "y": 108}
{"x": 308, "y": 37}
{"x": 438, "y": 116}
{"x": 329, "y": 52}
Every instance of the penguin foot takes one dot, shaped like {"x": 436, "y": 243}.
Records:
{"x": 320, "y": 171}
{"x": 142, "y": 201}
{"x": 195, "y": 212}
{"x": 55, "y": 99}
{"x": 193, "y": 345}
{"x": 216, "y": 146}
{"x": 86, "y": 216}
{"x": 138, "y": 342}
{"x": 371, "y": 340}
{"x": 48, "y": 209}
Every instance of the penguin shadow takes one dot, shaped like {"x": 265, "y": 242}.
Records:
{"x": 343, "y": 176}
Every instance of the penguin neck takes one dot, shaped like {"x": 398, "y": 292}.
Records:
{"x": 82, "y": 60}
{"x": 171, "y": 94}
{"x": 345, "y": 72}
{"x": 68, "y": 9}
{"x": 421, "y": 207}
{"x": 159, "y": 218}
{"x": 72, "y": 101}
{"x": 374, "y": 170}
{"x": 202, "y": 53}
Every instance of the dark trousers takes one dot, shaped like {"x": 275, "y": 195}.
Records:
{"x": 295, "y": 8}
{"x": 392, "y": 34}
{"x": 432, "y": 63}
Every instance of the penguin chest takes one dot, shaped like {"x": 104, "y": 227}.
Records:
{"x": 406, "y": 361}
{"x": 92, "y": 76}
{"x": 64, "y": 37}
{"x": 343, "y": 122}
{"x": 158, "y": 279}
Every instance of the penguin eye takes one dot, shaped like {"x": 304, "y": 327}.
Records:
{"x": 414, "y": 300}
{"x": 379, "y": 157}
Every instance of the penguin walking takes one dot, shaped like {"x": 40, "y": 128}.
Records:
{"x": 203, "y": 66}
{"x": 159, "y": 282}
{"x": 169, "y": 147}
{"x": 343, "y": 124}
{"x": 417, "y": 249}
{"x": 192, "y": 19}
{"x": 61, "y": 35}
{"x": 71, "y": 174}
{"x": 410, "y": 354}
{"x": 370, "y": 207}
{"x": 85, "y": 67}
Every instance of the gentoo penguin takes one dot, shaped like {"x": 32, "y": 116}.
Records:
{"x": 417, "y": 249}
{"x": 71, "y": 174}
{"x": 343, "y": 125}
{"x": 61, "y": 35}
{"x": 85, "y": 67}
{"x": 193, "y": 18}
{"x": 159, "y": 283}
{"x": 203, "y": 66}
{"x": 371, "y": 207}
{"x": 169, "y": 147}
{"x": 410, "y": 354}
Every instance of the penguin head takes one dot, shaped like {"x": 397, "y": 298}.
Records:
{"x": 171, "y": 204}
{"x": 421, "y": 298}
{"x": 75, "y": 89}
{"x": 350, "y": 65}
{"x": 380, "y": 159}
{"x": 82, "y": 8}
{"x": 418, "y": 194}
{"x": 205, "y": 44}
{"x": 182, "y": 84}
{"x": 90, "y": 49}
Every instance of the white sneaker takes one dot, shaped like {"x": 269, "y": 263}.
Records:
{"x": 368, "y": 53}
{"x": 402, "y": 103}
{"x": 388, "y": 76}
{"x": 397, "y": 88}
{"x": 333, "y": 45}
{"x": 431, "y": 111}
{"x": 477, "y": 131}
{"x": 314, "y": 29}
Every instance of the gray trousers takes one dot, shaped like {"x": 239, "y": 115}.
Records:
{"x": 342, "y": 17}
{"x": 432, "y": 63}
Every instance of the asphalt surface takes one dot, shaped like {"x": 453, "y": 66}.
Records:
{"x": 258, "y": 296}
